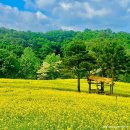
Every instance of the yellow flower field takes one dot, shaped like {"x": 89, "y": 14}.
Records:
{"x": 39, "y": 105}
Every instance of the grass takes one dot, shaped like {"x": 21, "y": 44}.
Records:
{"x": 120, "y": 88}
{"x": 39, "y": 105}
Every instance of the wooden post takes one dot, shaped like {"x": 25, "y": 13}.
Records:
{"x": 113, "y": 76}
{"x": 97, "y": 87}
{"x": 110, "y": 89}
{"x": 78, "y": 84}
{"x": 89, "y": 88}
{"x": 102, "y": 86}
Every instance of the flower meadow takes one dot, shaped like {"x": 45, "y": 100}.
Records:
{"x": 48, "y": 105}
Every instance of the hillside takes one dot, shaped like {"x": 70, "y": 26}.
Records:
{"x": 23, "y": 54}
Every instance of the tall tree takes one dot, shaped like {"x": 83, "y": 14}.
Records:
{"x": 77, "y": 59}
{"x": 29, "y": 64}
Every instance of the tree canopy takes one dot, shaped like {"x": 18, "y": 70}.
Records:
{"x": 77, "y": 59}
{"x": 24, "y": 54}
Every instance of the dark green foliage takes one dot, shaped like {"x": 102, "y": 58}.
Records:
{"x": 112, "y": 58}
{"x": 9, "y": 65}
{"x": 29, "y": 64}
{"x": 21, "y": 53}
{"x": 77, "y": 59}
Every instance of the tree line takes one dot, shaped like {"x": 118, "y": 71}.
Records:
{"x": 64, "y": 54}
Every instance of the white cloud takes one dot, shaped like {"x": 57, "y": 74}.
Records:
{"x": 11, "y": 17}
{"x": 44, "y": 3}
{"x": 124, "y": 3}
{"x": 40, "y": 15}
{"x": 39, "y": 4}
{"x": 96, "y": 0}
{"x": 79, "y": 10}
{"x": 61, "y": 7}
{"x": 91, "y": 12}
{"x": 128, "y": 10}
{"x": 66, "y": 14}
{"x": 66, "y": 6}
{"x": 75, "y": 28}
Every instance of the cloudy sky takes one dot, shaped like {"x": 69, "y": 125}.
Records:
{"x": 46, "y": 15}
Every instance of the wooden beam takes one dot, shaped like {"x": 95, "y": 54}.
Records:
{"x": 100, "y": 79}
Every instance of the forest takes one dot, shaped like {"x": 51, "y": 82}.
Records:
{"x": 64, "y": 54}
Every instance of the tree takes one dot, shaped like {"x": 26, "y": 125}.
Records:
{"x": 29, "y": 64}
{"x": 43, "y": 44}
{"x": 50, "y": 67}
{"x": 9, "y": 64}
{"x": 112, "y": 58}
{"x": 42, "y": 73}
{"x": 77, "y": 59}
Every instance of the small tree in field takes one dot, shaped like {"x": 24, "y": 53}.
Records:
{"x": 76, "y": 59}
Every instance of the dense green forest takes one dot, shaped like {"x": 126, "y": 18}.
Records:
{"x": 64, "y": 54}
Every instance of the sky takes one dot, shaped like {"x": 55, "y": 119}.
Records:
{"x": 47, "y": 15}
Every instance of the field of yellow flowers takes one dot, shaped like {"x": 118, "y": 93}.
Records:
{"x": 39, "y": 105}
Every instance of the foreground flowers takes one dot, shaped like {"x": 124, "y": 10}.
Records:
{"x": 33, "y": 108}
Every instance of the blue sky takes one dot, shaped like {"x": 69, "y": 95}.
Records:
{"x": 46, "y": 15}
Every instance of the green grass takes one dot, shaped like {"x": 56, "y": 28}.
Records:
{"x": 120, "y": 88}
{"x": 39, "y": 105}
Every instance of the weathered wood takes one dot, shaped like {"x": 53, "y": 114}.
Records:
{"x": 110, "y": 89}
{"x": 78, "y": 80}
{"x": 92, "y": 82}
{"x": 89, "y": 89}
{"x": 100, "y": 79}
{"x": 102, "y": 86}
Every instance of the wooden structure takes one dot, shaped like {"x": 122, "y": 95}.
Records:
{"x": 100, "y": 81}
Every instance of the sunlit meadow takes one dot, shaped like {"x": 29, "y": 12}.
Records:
{"x": 55, "y": 105}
